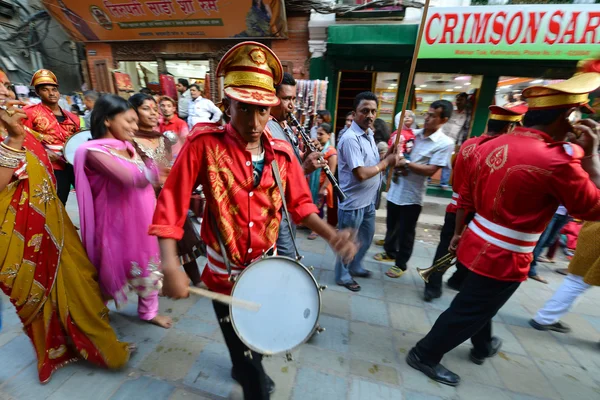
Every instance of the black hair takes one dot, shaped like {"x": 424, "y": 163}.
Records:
{"x": 325, "y": 114}
{"x": 542, "y": 117}
{"x": 195, "y": 85}
{"x": 364, "y": 96}
{"x": 138, "y": 99}
{"x": 382, "y": 131}
{"x": 287, "y": 79}
{"x": 446, "y": 107}
{"x": 145, "y": 90}
{"x": 107, "y": 107}
{"x": 463, "y": 94}
{"x": 326, "y": 127}
{"x": 349, "y": 113}
{"x": 496, "y": 126}
{"x": 184, "y": 82}
{"x": 75, "y": 109}
{"x": 91, "y": 94}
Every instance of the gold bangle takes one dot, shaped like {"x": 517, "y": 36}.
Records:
{"x": 7, "y": 147}
{"x": 378, "y": 170}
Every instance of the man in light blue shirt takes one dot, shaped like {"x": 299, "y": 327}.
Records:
{"x": 431, "y": 151}
{"x": 359, "y": 172}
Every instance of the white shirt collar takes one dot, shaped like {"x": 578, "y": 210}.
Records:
{"x": 435, "y": 136}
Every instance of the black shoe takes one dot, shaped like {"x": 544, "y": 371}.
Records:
{"x": 270, "y": 383}
{"x": 430, "y": 295}
{"x": 559, "y": 327}
{"x": 439, "y": 373}
{"x": 479, "y": 358}
{"x": 453, "y": 285}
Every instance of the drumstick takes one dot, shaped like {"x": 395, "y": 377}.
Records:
{"x": 223, "y": 298}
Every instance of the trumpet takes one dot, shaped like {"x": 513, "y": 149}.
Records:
{"x": 441, "y": 265}
{"x": 306, "y": 139}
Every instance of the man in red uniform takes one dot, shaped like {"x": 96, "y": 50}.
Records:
{"x": 514, "y": 184}
{"x": 171, "y": 122}
{"x": 502, "y": 120}
{"x": 54, "y": 126}
{"x": 233, "y": 163}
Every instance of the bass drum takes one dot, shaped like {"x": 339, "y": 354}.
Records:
{"x": 290, "y": 301}
{"x": 73, "y": 143}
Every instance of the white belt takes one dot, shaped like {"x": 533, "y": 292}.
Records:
{"x": 505, "y": 238}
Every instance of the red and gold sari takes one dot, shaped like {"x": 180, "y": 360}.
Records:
{"x": 46, "y": 273}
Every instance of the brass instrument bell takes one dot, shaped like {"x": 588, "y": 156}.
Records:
{"x": 441, "y": 265}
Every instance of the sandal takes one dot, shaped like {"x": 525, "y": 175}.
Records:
{"x": 539, "y": 279}
{"x": 379, "y": 242}
{"x": 313, "y": 236}
{"x": 351, "y": 286}
{"x": 545, "y": 260}
{"x": 395, "y": 272}
{"x": 385, "y": 257}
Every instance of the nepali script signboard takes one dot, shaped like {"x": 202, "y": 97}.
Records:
{"x": 532, "y": 32}
{"x": 118, "y": 20}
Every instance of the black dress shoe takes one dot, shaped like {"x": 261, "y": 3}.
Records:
{"x": 270, "y": 383}
{"x": 559, "y": 327}
{"x": 430, "y": 295}
{"x": 438, "y": 373}
{"x": 479, "y": 358}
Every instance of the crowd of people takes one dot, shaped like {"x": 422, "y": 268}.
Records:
{"x": 260, "y": 180}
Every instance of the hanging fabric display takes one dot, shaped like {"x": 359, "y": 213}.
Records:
{"x": 311, "y": 97}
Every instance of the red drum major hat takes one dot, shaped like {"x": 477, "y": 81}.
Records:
{"x": 508, "y": 112}
{"x": 251, "y": 70}
{"x": 43, "y": 77}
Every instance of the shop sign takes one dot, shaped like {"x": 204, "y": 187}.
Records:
{"x": 536, "y": 32}
{"x": 122, "y": 20}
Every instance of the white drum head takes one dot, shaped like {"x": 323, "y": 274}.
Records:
{"x": 74, "y": 142}
{"x": 290, "y": 305}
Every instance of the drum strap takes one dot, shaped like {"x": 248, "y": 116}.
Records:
{"x": 277, "y": 176}
{"x": 213, "y": 222}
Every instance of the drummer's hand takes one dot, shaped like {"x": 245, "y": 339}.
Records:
{"x": 176, "y": 284}
{"x": 343, "y": 244}
{"x": 11, "y": 116}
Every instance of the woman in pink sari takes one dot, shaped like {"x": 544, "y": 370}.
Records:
{"x": 116, "y": 202}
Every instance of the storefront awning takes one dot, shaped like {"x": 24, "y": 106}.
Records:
{"x": 393, "y": 40}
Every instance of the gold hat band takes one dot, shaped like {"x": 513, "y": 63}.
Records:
{"x": 554, "y": 100}
{"x": 510, "y": 118}
{"x": 245, "y": 78}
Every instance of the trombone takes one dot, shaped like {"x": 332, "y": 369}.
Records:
{"x": 441, "y": 265}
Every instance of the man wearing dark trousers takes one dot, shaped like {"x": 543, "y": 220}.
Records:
{"x": 502, "y": 120}
{"x": 432, "y": 150}
{"x": 514, "y": 183}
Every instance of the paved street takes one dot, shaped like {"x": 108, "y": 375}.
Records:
{"x": 359, "y": 356}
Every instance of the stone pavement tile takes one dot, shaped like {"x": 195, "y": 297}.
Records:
{"x": 542, "y": 345}
{"x": 377, "y": 372}
{"x": 197, "y": 327}
{"x": 583, "y": 349}
{"x": 371, "y": 343}
{"x": 410, "y": 395}
{"x": 211, "y": 372}
{"x": 144, "y": 388}
{"x": 402, "y": 293}
{"x": 89, "y": 383}
{"x": 372, "y": 288}
{"x": 5, "y": 396}
{"x": 369, "y": 310}
{"x": 474, "y": 391}
{"x": 328, "y": 361}
{"x": 9, "y": 333}
{"x": 374, "y": 267}
{"x": 510, "y": 343}
{"x": 336, "y": 303}
{"x": 570, "y": 381}
{"x": 515, "y": 315}
{"x": 593, "y": 321}
{"x": 418, "y": 261}
{"x": 26, "y": 384}
{"x": 518, "y": 396}
{"x": 203, "y": 310}
{"x": 411, "y": 319}
{"x": 14, "y": 356}
{"x": 588, "y": 307}
{"x": 363, "y": 390}
{"x": 522, "y": 375}
{"x": 327, "y": 277}
{"x": 336, "y": 335}
{"x": 174, "y": 355}
{"x": 176, "y": 308}
{"x": 316, "y": 385}
{"x": 181, "y": 394}
{"x": 283, "y": 372}
{"x": 457, "y": 360}
{"x": 403, "y": 342}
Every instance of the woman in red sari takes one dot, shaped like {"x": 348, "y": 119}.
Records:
{"x": 43, "y": 266}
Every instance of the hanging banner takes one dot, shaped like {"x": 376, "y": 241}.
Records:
{"x": 120, "y": 20}
{"x": 542, "y": 32}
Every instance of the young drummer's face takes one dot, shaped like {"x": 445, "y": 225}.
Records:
{"x": 249, "y": 120}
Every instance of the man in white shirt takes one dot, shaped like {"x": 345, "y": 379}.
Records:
{"x": 183, "y": 101}
{"x": 457, "y": 129}
{"x": 201, "y": 109}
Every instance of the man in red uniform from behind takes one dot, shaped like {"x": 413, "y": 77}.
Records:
{"x": 515, "y": 183}
{"x": 233, "y": 163}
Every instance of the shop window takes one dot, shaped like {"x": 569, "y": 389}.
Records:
{"x": 386, "y": 89}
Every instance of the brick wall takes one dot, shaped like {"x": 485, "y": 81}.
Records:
{"x": 103, "y": 52}
{"x": 295, "y": 48}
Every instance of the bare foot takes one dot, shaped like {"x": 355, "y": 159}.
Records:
{"x": 162, "y": 321}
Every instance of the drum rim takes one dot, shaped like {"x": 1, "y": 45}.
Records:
{"x": 307, "y": 338}
{"x": 67, "y": 141}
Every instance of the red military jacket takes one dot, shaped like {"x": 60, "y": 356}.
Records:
{"x": 41, "y": 119}
{"x": 248, "y": 217}
{"x": 458, "y": 170}
{"x": 514, "y": 184}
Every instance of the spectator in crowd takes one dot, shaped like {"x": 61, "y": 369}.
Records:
{"x": 431, "y": 151}
{"x": 360, "y": 177}
{"x": 457, "y": 129}
{"x": 323, "y": 116}
{"x": 349, "y": 119}
{"x": 320, "y": 187}
{"x": 201, "y": 109}
{"x": 548, "y": 238}
{"x": 171, "y": 122}
{"x": 147, "y": 91}
{"x": 183, "y": 105}
{"x": 381, "y": 136}
{"x": 407, "y": 134}
{"x": 89, "y": 100}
